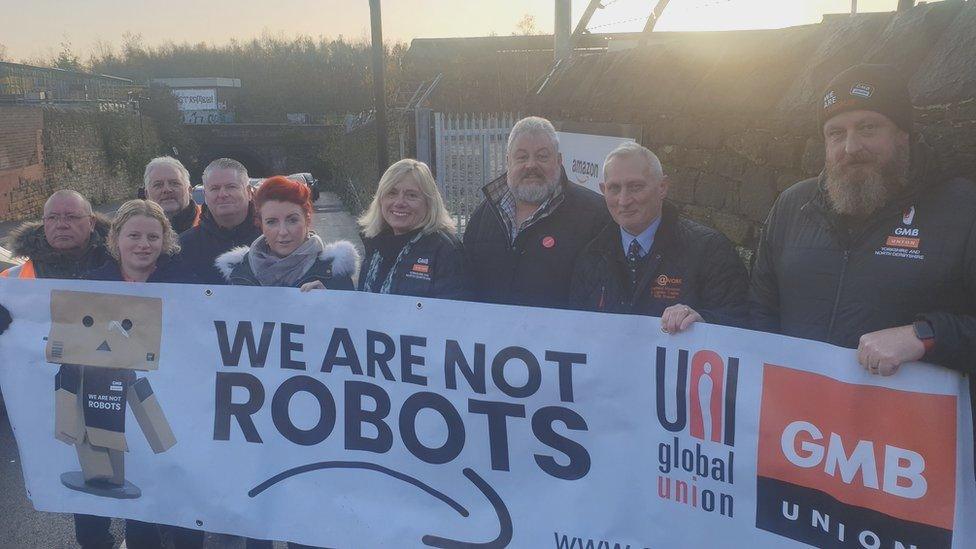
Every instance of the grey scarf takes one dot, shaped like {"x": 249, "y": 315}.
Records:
{"x": 272, "y": 270}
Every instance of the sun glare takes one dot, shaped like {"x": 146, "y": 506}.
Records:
{"x": 695, "y": 15}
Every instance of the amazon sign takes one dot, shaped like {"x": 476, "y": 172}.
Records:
{"x": 584, "y": 146}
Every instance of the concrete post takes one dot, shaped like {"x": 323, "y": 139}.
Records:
{"x": 563, "y": 30}
{"x": 379, "y": 88}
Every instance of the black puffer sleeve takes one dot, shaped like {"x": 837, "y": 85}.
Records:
{"x": 955, "y": 333}
{"x": 764, "y": 287}
{"x": 451, "y": 279}
{"x": 724, "y": 285}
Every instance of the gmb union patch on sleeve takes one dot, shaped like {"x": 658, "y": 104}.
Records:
{"x": 845, "y": 465}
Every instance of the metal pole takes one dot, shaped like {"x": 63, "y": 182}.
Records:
{"x": 563, "y": 30}
{"x": 853, "y": 7}
{"x": 379, "y": 89}
{"x": 587, "y": 15}
{"x": 652, "y": 20}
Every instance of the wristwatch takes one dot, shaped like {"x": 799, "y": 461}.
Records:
{"x": 923, "y": 331}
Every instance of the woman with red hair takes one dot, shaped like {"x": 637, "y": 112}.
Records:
{"x": 288, "y": 253}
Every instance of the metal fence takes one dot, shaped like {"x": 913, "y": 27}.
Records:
{"x": 470, "y": 152}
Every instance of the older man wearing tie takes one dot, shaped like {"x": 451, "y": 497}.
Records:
{"x": 652, "y": 260}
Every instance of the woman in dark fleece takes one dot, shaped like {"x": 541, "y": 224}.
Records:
{"x": 411, "y": 247}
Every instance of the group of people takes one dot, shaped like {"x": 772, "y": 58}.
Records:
{"x": 877, "y": 253}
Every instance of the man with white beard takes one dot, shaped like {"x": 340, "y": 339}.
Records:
{"x": 878, "y": 253}
{"x": 523, "y": 239}
{"x": 167, "y": 183}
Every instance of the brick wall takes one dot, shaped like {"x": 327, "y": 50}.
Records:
{"x": 44, "y": 149}
{"x": 21, "y": 155}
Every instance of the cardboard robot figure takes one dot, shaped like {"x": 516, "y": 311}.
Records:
{"x": 101, "y": 340}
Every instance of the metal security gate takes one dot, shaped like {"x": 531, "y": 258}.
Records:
{"x": 470, "y": 152}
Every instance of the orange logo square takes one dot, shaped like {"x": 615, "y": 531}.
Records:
{"x": 887, "y": 450}
{"x": 903, "y": 242}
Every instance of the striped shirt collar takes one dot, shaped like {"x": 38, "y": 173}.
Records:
{"x": 501, "y": 197}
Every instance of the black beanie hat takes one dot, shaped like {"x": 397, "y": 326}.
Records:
{"x": 878, "y": 88}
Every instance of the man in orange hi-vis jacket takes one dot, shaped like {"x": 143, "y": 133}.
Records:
{"x": 67, "y": 242}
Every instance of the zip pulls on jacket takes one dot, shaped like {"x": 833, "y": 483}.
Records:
{"x": 847, "y": 240}
{"x": 840, "y": 287}
{"x": 844, "y": 238}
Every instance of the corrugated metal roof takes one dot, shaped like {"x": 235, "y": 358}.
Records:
{"x": 55, "y": 71}
{"x": 200, "y": 82}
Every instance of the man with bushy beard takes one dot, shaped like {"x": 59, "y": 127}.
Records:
{"x": 878, "y": 253}
{"x": 523, "y": 239}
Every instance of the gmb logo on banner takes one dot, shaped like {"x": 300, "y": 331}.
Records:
{"x": 844, "y": 465}
{"x": 701, "y": 449}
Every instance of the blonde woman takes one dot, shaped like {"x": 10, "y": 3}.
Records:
{"x": 411, "y": 247}
{"x": 143, "y": 245}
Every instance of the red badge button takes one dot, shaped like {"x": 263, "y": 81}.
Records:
{"x": 548, "y": 242}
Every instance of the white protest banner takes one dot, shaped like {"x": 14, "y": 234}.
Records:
{"x": 196, "y": 99}
{"x": 354, "y": 420}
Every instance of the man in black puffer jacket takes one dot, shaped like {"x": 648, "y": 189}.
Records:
{"x": 879, "y": 252}
{"x": 68, "y": 241}
{"x": 652, "y": 261}
{"x": 227, "y": 220}
{"x": 522, "y": 241}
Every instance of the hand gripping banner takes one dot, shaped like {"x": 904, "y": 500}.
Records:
{"x": 353, "y": 420}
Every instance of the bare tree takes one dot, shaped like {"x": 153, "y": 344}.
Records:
{"x": 66, "y": 58}
{"x": 526, "y": 26}
{"x": 3, "y": 52}
{"x": 131, "y": 43}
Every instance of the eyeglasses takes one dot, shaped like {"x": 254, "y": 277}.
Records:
{"x": 58, "y": 218}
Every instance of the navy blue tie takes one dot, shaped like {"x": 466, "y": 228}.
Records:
{"x": 633, "y": 259}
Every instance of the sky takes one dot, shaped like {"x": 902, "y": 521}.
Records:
{"x": 34, "y": 29}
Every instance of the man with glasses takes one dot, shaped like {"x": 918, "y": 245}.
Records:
{"x": 68, "y": 242}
